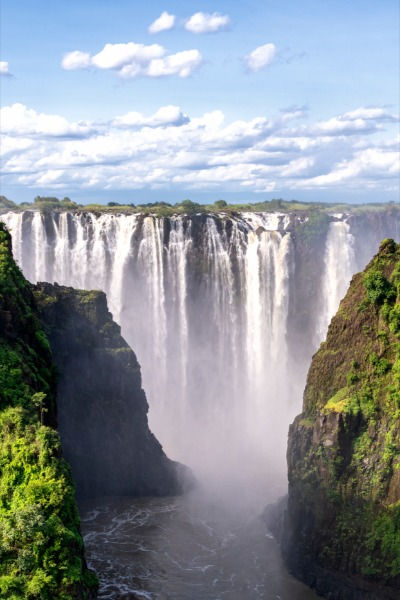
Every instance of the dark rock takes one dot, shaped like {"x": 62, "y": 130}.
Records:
{"x": 41, "y": 548}
{"x": 102, "y": 408}
{"x": 341, "y": 528}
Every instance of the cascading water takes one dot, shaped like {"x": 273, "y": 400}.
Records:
{"x": 340, "y": 265}
{"x": 205, "y": 302}
{"x": 218, "y": 310}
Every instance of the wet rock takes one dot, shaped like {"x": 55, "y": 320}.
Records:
{"x": 102, "y": 408}
{"x": 341, "y": 529}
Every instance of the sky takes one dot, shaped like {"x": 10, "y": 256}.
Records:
{"x": 128, "y": 101}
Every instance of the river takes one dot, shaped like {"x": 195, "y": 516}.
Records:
{"x": 184, "y": 548}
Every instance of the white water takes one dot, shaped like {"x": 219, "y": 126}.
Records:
{"x": 183, "y": 549}
{"x": 208, "y": 319}
{"x": 340, "y": 265}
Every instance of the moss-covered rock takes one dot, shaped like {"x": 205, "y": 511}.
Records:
{"x": 342, "y": 526}
{"x": 41, "y": 549}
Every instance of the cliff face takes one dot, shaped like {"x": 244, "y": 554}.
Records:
{"x": 41, "y": 549}
{"x": 342, "y": 525}
{"x": 102, "y": 408}
{"x": 83, "y": 380}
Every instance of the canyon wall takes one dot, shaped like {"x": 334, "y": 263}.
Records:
{"x": 41, "y": 549}
{"x": 101, "y": 406}
{"x": 224, "y": 312}
{"x": 341, "y": 532}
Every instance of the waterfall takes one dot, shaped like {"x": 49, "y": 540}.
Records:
{"x": 204, "y": 301}
{"x": 340, "y": 265}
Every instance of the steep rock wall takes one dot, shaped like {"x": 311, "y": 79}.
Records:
{"x": 228, "y": 308}
{"x": 102, "y": 408}
{"x": 41, "y": 549}
{"x": 341, "y": 532}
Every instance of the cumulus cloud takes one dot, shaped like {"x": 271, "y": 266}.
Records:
{"x": 206, "y": 23}
{"x": 379, "y": 114}
{"x": 4, "y": 68}
{"x": 164, "y": 22}
{"x": 167, "y": 149}
{"x": 116, "y": 56}
{"x": 260, "y": 57}
{"x": 19, "y": 120}
{"x": 10, "y": 145}
{"x": 166, "y": 115}
{"x": 130, "y": 60}
{"x": 370, "y": 164}
{"x": 360, "y": 120}
{"x": 76, "y": 60}
{"x": 182, "y": 64}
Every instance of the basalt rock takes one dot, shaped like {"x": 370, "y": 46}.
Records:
{"x": 341, "y": 530}
{"x": 41, "y": 548}
{"x": 102, "y": 408}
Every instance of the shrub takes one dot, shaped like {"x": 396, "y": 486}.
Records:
{"x": 378, "y": 287}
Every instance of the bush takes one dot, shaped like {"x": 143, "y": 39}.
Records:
{"x": 220, "y": 204}
{"x": 378, "y": 287}
{"x": 41, "y": 549}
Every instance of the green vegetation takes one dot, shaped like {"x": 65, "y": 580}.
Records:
{"x": 378, "y": 287}
{"x": 317, "y": 210}
{"x": 313, "y": 228}
{"x": 347, "y": 464}
{"x": 6, "y": 204}
{"x": 41, "y": 549}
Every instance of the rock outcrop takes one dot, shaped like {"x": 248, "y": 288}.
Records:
{"x": 65, "y": 372}
{"x": 341, "y": 532}
{"x": 102, "y": 408}
{"x": 41, "y": 549}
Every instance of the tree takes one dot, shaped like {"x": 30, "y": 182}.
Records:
{"x": 6, "y": 203}
{"x": 220, "y": 204}
{"x": 38, "y": 401}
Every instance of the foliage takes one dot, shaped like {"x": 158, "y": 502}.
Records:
{"x": 316, "y": 213}
{"x": 41, "y": 549}
{"x": 378, "y": 287}
{"x": 6, "y": 203}
{"x": 314, "y": 227}
{"x": 346, "y": 469}
{"x": 383, "y": 543}
{"x": 220, "y": 204}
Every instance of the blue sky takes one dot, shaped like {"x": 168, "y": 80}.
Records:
{"x": 280, "y": 99}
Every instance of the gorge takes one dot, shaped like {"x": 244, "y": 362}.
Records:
{"x": 224, "y": 312}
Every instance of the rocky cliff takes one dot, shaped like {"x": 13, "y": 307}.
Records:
{"x": 341, "y": 533}
{"x": 65, "y": 372}
{"x": 102, "y": 408}
{"x": 41, "y": 549}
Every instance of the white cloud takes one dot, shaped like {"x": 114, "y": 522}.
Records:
{"x": 371, "y": 163}
{"x": 131, "y": 60}
{"x": 4, "y": 68}
{"x": 370, "y": 113}
{"x": 164, "y": 116}
{"x": 10, "y": 145}
{"x": 164, "y": 22}
{"x": 360, "y": 120}
{"x": 260, "y": 57}
{"x": 206, "y": 23}
{"x": 19, "y": 120}
{"x": 117, "y": 56}
{"x": 182, "y": 64}
{"x": 342, "y": 126}
{"x": 76, "y": 60}
{"x": 167, "y": 149}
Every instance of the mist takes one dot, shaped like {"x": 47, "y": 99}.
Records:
{"x": 222, "y": 329}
